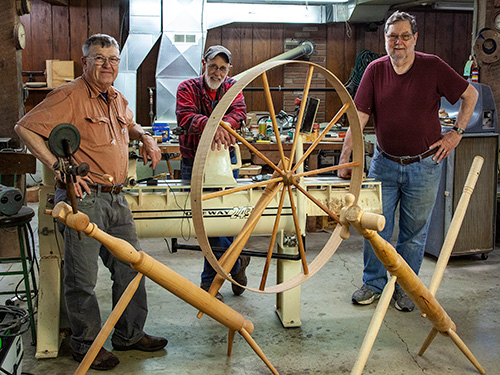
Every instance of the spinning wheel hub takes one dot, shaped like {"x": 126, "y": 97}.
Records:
{"x": 289, "y": 179}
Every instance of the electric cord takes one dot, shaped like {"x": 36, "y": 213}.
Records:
{"x": 33, "y": 262}
{"x": 362, "y": 60}
{"x": 15, "y": 321}
{"x": 184, "y": 211}
{"x": 34, "y": 179}
{"x": 54, "y": 222}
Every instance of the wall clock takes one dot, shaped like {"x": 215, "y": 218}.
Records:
{"x": 19, "y": 36}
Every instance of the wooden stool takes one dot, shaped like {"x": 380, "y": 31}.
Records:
{"x": 21, "y": 221}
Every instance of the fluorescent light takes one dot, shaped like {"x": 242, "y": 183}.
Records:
{"x": 454, "y": 6}
{"x": 282, "y": 2}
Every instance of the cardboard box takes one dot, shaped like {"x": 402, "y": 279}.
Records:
{"x": 59, "y": 72}
{"x": 32, "y": 194}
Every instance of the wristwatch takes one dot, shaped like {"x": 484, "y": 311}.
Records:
{"x": 459, "y": 131}
{"x": 145, "y": 133}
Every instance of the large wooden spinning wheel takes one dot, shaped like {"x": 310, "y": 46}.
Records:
{"x": 285, "y": 184}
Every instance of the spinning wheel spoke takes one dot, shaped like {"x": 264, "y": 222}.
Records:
{"x": 221, "y": 193}
{"x": 242, "y": 238}
{"x": 250, "y": 146}
{"x": 270, "y": 107}
{"x": 298, "y": 233}
{"x": 317, "y": 202}
{"x": 301, "y": 111}
{"x": 327, "y": 169}
{"x": 321, "y": 136}
{"x": 273, "y": 240}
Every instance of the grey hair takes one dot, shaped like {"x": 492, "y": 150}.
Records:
{"x": 401, "y": 16}
{"x": 103, "y": 40}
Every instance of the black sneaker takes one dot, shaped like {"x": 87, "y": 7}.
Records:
{"x": 401, "y": 301}
{"x": 206, "y": 288}
{"x": 240, "y": 276}
{"x": 364, "y": 296}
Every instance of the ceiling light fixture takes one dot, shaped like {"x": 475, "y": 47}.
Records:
{"x": 282, "y": 2}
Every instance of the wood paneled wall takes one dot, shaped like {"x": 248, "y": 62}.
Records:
{"x": 57, "y": 32}
{"x": 11, "y": 101}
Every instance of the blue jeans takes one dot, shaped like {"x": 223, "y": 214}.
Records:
{"x": 414, "y": 187}
{"x": 112, "y": 214}
{"x": 208, "y": 274}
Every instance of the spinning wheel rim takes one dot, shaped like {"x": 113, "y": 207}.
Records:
{"x": 201, "y": 157}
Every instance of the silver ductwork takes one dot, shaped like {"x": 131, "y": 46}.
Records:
{"x": 182, "y": 45}
{"x": 145, "y": 29}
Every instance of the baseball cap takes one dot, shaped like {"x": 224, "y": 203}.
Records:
{"x": 213, "y": 51}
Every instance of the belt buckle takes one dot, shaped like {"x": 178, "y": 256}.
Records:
{"x": 116, "y": 189}
{"x": 404, "y": 160}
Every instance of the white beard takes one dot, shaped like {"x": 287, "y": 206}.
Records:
{"x": 213, "y": 85}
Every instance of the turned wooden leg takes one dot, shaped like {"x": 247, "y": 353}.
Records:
{"x": 461, "y": 345}
{"x": 432, "y": 334}
{"x": 109, "y": 325}
{"x": 376, "y": 322}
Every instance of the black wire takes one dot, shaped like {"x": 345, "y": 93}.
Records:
{"x": 33, "y": 261}
{"x": 15, "y": 325}
{"x": 34, "y": 180}
{"x": 183, "y": 209}
{"x": 362, "y": 60}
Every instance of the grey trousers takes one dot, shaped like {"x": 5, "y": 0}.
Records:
{"x": 112, "y": 214}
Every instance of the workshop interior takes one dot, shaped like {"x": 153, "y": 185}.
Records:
{"x": 298, "y": 65}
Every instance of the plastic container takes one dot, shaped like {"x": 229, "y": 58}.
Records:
{"x": 254, "y": 129}
{"x": 262, "y": 128}
{"x": 162, "y": 129}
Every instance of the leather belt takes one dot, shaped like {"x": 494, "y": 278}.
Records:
{"x": 405, "y": 160}
{"x": 113, "y": 189}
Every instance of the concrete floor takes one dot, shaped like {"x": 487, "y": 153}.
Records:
{"x": 332, "y": 328}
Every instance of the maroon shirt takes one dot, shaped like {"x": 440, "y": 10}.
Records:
{"x": 405, "y": 107}
{"x": 194, "y": 106}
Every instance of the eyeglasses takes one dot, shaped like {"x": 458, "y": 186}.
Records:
{"x": 214, "y": 67}
{"x": 101, "y": 60}
{"x": 404, "y": 37}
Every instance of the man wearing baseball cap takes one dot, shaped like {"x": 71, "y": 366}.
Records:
{"x": 196, "y": 99}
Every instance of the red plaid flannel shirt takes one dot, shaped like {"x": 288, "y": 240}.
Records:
{"x": 194, "y": 107}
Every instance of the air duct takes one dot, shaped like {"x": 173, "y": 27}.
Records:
{"x": 145, "y": 29}
{"x": 182, "y": 45}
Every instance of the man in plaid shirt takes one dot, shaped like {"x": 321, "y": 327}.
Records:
{"x": 196, "y": 99}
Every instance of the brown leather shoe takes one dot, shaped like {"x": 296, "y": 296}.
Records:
{"x": 206, "y": 288}
{"x": 240, "y": 276}
{"x": 104, "y": 360}
{"x": 146, "y": 344}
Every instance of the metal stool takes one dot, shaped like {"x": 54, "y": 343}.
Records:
{"x": 21, "y": 221}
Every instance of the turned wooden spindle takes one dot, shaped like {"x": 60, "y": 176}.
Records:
{"x": 367, "y": 226}
{"x": 163, "y": 276}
